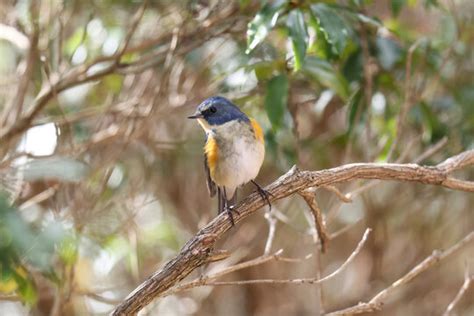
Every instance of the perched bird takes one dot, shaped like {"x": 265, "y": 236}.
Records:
{"x": 233, "y": 153}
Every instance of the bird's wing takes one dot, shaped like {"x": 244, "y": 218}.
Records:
{"x": 211, "y": 186}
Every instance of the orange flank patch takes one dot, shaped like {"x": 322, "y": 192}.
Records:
{"x": 212, "y": 154}
{"x": 257, "y": 129}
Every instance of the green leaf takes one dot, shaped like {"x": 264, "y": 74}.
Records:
{"x": 298, "y": 35}
{"x": 434, "y": 129}
{"x": 353, "y": 68}
{"x": 396, "y": 6}
{"x": 264, "y": 69}
{"x": 320, "y": 46}
{"x": 263, "y": 22}
{"x": 26, "y": 286}
{"x": 276, "y": 99}
{"x": 333, "y": 26}
{"x": 325, "y": 74}
{"x": 354, "y": 105}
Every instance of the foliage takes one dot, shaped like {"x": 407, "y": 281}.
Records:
{"x": 103, "y": 180}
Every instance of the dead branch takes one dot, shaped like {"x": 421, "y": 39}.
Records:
{"x": 377, "y": 301}
{"x": 302, "y": 280}
{"x": 310, "y": 199}
{"x": 468, "y": 280}
{"x": 197, "y": 250}
{"x": 108, "y": 65}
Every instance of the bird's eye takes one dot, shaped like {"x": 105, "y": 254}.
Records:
{"x": 213, "y": 109}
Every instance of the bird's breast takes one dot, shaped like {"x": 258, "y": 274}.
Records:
{"x": 235, "y": 152}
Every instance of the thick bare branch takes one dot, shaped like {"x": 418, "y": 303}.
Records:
{"x": 197, "y": 250}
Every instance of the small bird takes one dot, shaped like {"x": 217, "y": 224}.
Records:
{"x": 233, "y": 153}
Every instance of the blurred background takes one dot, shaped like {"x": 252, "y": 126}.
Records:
{"x": 102, "y": 175}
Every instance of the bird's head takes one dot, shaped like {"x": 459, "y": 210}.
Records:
{"x": 215, "y": 111}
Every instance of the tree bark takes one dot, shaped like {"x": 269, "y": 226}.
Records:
{"x": 199, "y": 249}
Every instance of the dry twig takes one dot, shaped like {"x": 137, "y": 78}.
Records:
{"x": 310, "y": 199}
{"x": 197, "y": 250}
{"x": 468, "y": 279}
{"x": 303, "y": 280}
{"x": 377, "y": 301}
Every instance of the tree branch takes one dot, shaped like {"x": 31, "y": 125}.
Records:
{"x": 377, "y": 301}
{"x": 197, "y": 250}
{"x": 468, "y": 280}
{"x": 103, "y": 66}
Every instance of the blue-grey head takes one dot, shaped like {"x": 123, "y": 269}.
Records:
{"x": 217, "y": 111}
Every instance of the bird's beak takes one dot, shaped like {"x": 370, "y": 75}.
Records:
{"x": 196, "y": 115}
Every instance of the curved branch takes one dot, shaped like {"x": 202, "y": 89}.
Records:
{"x": 198, "y": 249}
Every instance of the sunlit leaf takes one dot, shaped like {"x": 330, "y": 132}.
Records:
{"x": 320, "y": 46}
{"x": 333, "y": 26}
{"x": 276, "y": 99}
{"x": 26, "y": 286}
{"x": 263, "y": 22}
{"x": 113, "y": 83}
{"x": 264, "y": 69}
{"x": 299, "y": 36}
{"x": 326, "y": 75}
{"x": 67, "y": 249}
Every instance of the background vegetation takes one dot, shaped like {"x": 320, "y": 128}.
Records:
{"x": 102, "y": 175}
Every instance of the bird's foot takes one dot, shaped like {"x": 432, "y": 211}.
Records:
{"x": 230, "y": 209}
{"x": 264, "y": 194}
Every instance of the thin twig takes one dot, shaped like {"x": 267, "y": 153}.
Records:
{"x": 468, "y": 279}
{"x": 408, "y": 101}
{"x": 204, "y": 279}
{"x": 196, "y": 251}
{"x": 131, "y": 31}
{"x": 16, "y": 108}
{"x": 377, "y": 301}
{"x": 343, "y": 197}
{"x": 272, "y": 222}
{"x": 87, "y": 72}
{"x": 356, "y": 192}
{"x": 208, "y": 280}
{"x": 302, "y": 280}
{"x": 430, "y": 151}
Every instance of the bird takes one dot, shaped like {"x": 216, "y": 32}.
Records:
{"x": 233, "y": 152}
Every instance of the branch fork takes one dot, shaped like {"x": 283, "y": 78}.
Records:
{"x": 198, "y": 249}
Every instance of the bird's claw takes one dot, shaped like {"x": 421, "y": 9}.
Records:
{"x": 229, "y": 209}
{"x": 264, "y": 194}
